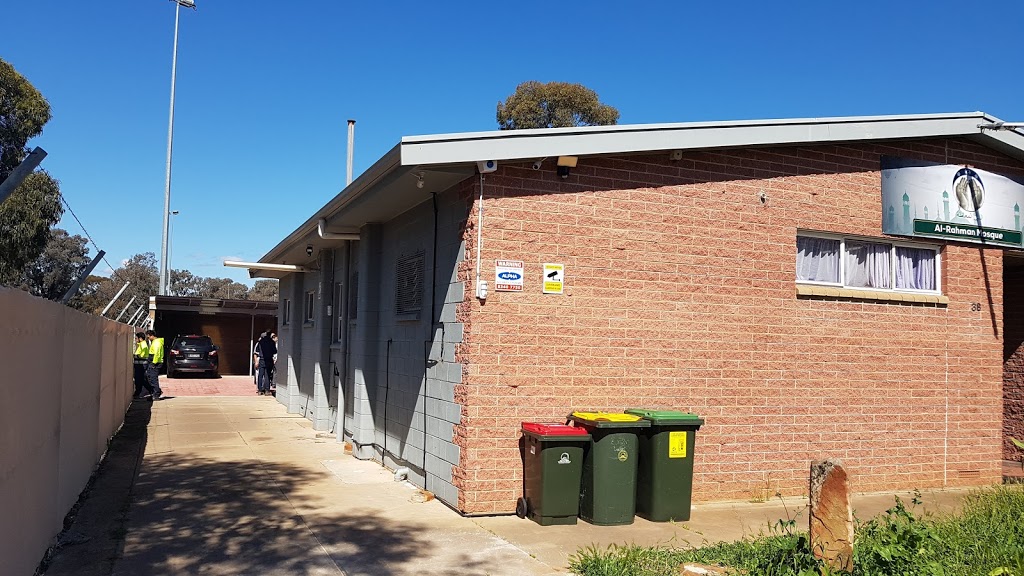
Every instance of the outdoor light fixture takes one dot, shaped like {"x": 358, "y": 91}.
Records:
{"x": 1001, "y": 125}
{"x": 564, "y": 164}
{"x": 419, "y": 180}
{"x": 309, "y": 249}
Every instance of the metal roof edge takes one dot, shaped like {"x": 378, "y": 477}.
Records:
{"x": 503, "y": 134}
{"x": 604, "y": 140}
{"x": 381, "y": 168}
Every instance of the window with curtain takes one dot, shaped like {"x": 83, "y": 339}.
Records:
{"x": 817, "y": 259}
{"x": 860, "y": 263}
{"x": 868, "y": 265}
{"x": 915, "y": 268}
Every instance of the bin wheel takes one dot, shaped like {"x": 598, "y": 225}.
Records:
{"x": 521, "y": 508}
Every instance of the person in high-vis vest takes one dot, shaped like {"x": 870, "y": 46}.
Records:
{"x": 156, "y": 361}
{"x": 140, "y": 359}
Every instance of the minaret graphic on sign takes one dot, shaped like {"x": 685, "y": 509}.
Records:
{"x": 1016, "y": 216}
{"x": 906, "y": 214}
{"x": 891, "y": 222}
{"x": 945, "y": 205}
{"x": 925, "y": 212}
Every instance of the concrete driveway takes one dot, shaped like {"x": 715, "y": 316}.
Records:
{"x": 235, "y": 485}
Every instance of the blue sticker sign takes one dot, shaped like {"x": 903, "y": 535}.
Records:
{"x": 508, "y": 276}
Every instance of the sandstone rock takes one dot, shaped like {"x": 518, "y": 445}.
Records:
{"x": 831, "y": 514}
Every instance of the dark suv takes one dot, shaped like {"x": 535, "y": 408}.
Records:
{"x": 192, "y": 354}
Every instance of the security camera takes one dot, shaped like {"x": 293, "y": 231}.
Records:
{"x": 309, "y": 249}
{"x": 537, "y": 164}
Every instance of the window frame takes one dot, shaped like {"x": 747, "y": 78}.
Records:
{"x": 893, "y": 244}
{"x": 310, "y": 304}
{"x": 286, "y": 313}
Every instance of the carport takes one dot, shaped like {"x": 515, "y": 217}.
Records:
{"x": 233, "y": 325}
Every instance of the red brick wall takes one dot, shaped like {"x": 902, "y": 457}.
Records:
{"x": 1013, "y": 363}
{"x": 680, "y": 293}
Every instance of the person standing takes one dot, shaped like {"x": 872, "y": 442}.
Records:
{"x": 140, "y": 360}
{"x": 273, "y": 365}
{"x": 156, "y": 361}
{"x": 256, "y": 363}
{"x": 267, "y": 350}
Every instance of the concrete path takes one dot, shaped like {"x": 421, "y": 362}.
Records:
{"x": 197, "y": 385}
{"x": 235, "y": 485}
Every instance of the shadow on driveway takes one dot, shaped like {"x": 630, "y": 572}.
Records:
{"x": 193, "y": 515}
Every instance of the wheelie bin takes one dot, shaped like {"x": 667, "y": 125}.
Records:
{"x": 665, "y": 474}
{"x": 552, "y": 464}
{"x": 608, "y": 490}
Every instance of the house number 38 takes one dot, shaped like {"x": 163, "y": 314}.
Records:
{"x": 975, "y": 307}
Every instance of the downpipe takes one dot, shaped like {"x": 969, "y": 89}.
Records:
{"x": 401, "y": 474}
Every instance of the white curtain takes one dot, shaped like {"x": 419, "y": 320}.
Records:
{"x": 817, "y": 259}
{"x": 915, "y": 268}
{"x": 868, "y": 265}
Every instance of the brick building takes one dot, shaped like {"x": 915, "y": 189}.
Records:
{"x": 737, "y": 270}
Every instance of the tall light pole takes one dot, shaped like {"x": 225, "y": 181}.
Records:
{"x": 164, "y": 270}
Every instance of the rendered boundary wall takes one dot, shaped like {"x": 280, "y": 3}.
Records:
{"x": 67, "y": 377}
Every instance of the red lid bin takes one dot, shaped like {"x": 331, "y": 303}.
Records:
{"x": 541, "y": 429}
{"x": 552, "y": 467}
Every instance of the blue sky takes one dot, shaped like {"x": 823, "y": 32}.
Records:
{"x": 264, "y": 88}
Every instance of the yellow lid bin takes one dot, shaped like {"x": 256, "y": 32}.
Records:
{"x": 587, "y": 417}
{"x": 608, "y": 486}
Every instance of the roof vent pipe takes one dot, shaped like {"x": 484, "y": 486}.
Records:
{"x": 321, "y": 229}
{"x": 351, "y": 143}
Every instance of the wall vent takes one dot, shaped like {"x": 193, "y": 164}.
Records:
{"x": 409, "y": 283}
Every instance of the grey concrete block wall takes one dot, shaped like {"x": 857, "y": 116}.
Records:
{"x": 398, "y": 395}
{"x": 402, "y": 370}
{"x": 285, "y": 377}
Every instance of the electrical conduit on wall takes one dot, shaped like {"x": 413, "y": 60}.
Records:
{"x": 481, "y": 290}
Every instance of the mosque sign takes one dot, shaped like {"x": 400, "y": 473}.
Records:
{"x": 953, "y": 202}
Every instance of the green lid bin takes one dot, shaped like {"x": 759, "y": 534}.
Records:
{"x": 552, "y": 465}
{"x": 665, "y": 473}
{"x": 608, "y": 490}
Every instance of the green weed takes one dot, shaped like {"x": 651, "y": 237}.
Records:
{"x": 985, "y": 538}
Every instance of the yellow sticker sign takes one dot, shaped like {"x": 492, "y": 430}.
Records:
{"x": 623, "y": 455}
{"x": 554, "y": 278}
{"x": 677, "y": 444}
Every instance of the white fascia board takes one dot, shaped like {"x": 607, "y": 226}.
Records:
{"x": 526, "y": 144}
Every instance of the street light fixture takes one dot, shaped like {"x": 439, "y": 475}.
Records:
{"x": 164, "y": 269}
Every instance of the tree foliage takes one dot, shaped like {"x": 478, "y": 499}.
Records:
{"x": 63, "y": 260}
{"x": 25, "y": 219}
{"x": 23, "y": 113}
{"x": 184, "y": 283}
{"x": 27, "y": 215}
{"x": 554, "y": 105}
{"x": 141, "y": 271}
{"x": 264, "y": 290}
{"x": 66, "y": 257}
